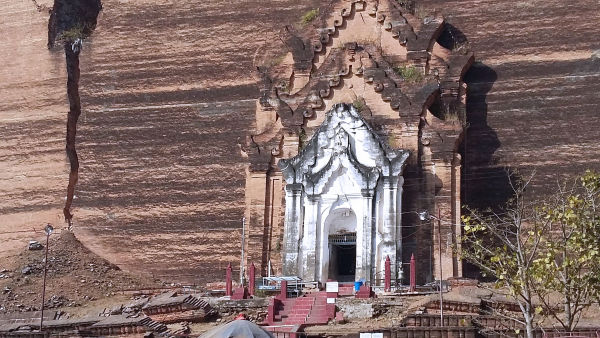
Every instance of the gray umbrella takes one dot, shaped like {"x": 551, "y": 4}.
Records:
{"x": 237, "y": 329}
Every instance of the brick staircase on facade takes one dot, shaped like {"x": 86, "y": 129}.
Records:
{"x": 310, "y": 309}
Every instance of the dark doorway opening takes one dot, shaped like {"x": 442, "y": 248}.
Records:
{"x": 345, "y": 262}
{"x": 342, "y": 257}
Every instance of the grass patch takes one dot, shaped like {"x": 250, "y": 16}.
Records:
{"x": 275, "y": 60}
{"x": 409, "y": 5}
{"x": 359, "y": 103}
{"x": 72, "y": 34}
{"x": 419, "y": 11}
{"x": 310, "y": 16}
{"x": 394, "y": 142}
{"x": 451, "y": 117}
{"x": 302, "y": 139}
{"x": 409, "y": 73}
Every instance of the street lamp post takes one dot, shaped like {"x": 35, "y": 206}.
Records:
{"x": 440, "y": 262}
{"x": 242, "y": 255}
{"x": 426, "y": 216}
{"x": 48, "y": 230}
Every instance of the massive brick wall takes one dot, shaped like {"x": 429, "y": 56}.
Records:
{"x": 533, "y": 95}
{"x": 167, "y": 89}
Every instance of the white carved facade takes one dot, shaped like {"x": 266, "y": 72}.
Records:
{"x": 346, "y": 181}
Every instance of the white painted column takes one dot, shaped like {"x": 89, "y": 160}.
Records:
{"x": 323, "y": 247}
{"x": 309, "y": 239}
{"x": 388, "y": 244}
{"x": 292, "y": 229}
{"x": 398, "y": 236}
{"x": 364, "y": 238}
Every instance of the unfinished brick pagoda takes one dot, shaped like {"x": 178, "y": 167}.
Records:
{"x": 357, "y": 130}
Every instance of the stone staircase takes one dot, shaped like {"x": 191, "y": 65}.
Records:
{"x": 311, "y": 309}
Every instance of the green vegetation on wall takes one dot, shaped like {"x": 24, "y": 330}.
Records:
{"x": 409, "y": 73}
{"x": 310, "y": 15}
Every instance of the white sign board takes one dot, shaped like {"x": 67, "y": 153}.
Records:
{"x": 332, "y": 287}
{"x": 372, "y": 335}
{"x": 330, "y": 300}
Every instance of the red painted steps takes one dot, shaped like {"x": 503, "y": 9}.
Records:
{"x": 346, "y": 289}
{"x": 309, "y": 309}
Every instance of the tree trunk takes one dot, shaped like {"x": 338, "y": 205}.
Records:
{"x": 72, "y": 57}
{"x": 529, "y": 326}
{"x": 528, "y": 315}
{"x": 568, "y": 315}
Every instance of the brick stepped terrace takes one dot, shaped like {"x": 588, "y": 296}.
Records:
{"x": 170, "y": 308}
{"x": 471, "y": 326}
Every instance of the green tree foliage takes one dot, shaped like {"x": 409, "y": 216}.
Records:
{"x": 537, "y": 252}
{"x": 506, "y": 246}
{"x": 571, "y": 256}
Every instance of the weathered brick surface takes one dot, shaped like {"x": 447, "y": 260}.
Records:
{"x": 161, "y": 176}
{"x": 167, "y": 90}
{"x": 533, "y": 102}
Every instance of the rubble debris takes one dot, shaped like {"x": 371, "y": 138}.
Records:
{"x": 35, "y": 245}
{"x": 56, "y": 302}
{"x": 182, "y": 328}
{"x": 69, "y": 262}
{"x": 135, "y": 306}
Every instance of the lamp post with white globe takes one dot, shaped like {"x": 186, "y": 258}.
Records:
{"x": 425, "y": 216}
{"x": 48, "y": 229}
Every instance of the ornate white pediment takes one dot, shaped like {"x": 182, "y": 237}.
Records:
{"x": 344, "y": 140}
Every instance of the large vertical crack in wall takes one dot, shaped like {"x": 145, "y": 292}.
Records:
{"x": 72, "y": 51}
{"x": 70, "y": 22}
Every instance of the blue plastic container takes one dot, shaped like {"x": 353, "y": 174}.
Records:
{"x": 357, "y": 285}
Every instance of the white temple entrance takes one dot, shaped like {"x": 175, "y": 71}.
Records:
{"x": 345, "y": 182}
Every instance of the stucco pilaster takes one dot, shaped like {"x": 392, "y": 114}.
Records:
{"x": 364, "y": 239}
{"x": 292, "y": 228}
{"x": 397, "y": 264}
{"x": 456, "y": 213}
{"x": 444, "y": 231}
{"x": 256, "y": 189}
{"x": 309, "y": 239}
{"x": 390, "y": 222}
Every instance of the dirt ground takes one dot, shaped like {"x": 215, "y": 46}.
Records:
{"x": 75, "y": 277}
{"x": 83, "y": 284}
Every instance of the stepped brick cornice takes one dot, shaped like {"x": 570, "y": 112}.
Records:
{"x": 293, "y": 106}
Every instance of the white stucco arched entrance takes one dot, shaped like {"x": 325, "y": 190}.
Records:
{"x": 345, "y": 181}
